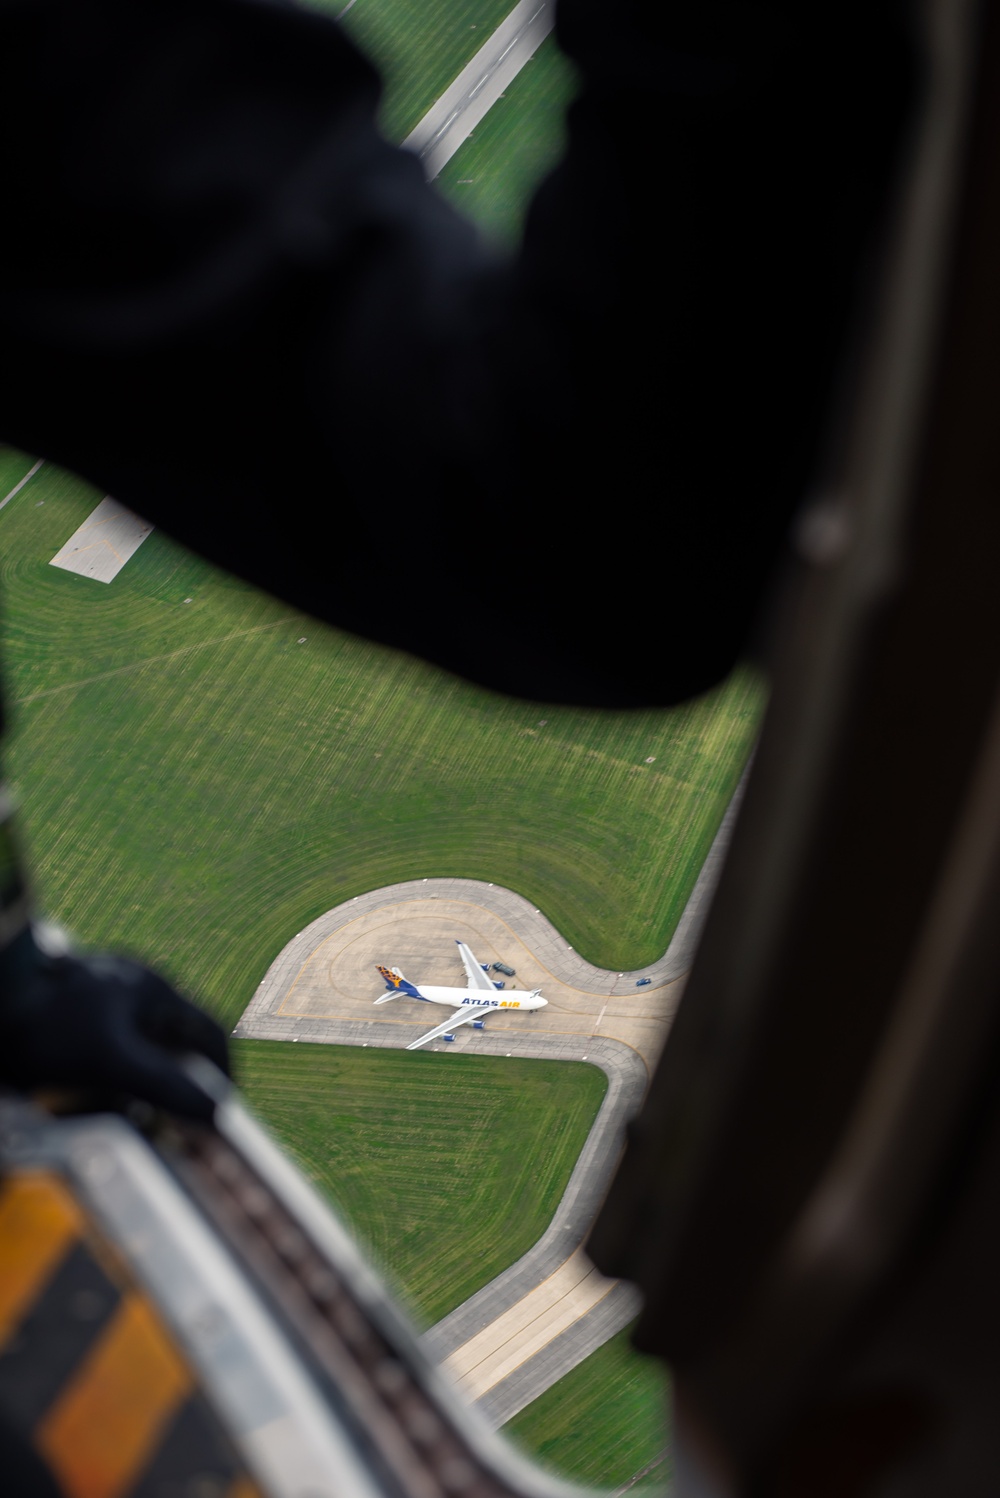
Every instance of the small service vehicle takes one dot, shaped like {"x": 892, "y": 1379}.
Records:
{"x": 505, "y": 968}
{"x": 641, "y": 982}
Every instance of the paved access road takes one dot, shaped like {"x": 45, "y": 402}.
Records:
{"x": 449, "y": 122}
{"x": 534, "y": 1322}
{"x": 492, "y": 1340}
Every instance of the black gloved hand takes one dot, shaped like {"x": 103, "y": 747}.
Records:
{"x": 105, "y": 1025}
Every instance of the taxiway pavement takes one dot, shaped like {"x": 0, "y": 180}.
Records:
{"x": 535, "y": 1321}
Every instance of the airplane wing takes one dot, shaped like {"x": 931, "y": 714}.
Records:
{"x": 477, "y": 978}
{"x": 460, "y": 1017}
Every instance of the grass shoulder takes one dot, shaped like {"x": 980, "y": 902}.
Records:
{"x": 447, "y": 1167}
{"x": 494, "y": 174}
{"x": 605, "y": 1423}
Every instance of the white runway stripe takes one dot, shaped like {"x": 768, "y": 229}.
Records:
{"x": 18, "y": 487}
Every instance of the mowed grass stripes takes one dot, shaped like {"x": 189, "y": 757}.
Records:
{"x": 197, "y": 785}
{"x": 448, "y": 1171}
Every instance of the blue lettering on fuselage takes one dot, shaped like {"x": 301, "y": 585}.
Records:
{"x": 479, "y": 1003}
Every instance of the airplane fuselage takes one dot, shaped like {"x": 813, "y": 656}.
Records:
{"x": 514, "y": 998}
{"x": 471, "y": 1004}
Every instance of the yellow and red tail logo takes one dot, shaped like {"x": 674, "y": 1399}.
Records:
{"x": 398, "y": 982}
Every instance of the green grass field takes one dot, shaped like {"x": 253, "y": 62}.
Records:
{"x": 604, "y": 1423}
{"x": 447, "y": 1167}
{"x": 197, "y": 785}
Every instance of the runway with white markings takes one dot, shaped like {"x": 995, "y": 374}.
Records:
{"x": 449, "y": 122}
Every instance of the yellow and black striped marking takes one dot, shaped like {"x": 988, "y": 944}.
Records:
{"x": 90, "y": 1382}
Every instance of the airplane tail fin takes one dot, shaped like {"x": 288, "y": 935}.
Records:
{"x": 397, "y": 985}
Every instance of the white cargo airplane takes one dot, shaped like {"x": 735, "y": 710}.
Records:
{"x": 475, "y": 1002}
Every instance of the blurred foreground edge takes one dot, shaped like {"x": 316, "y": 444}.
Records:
{"x": 182, "y": 1315}
{"x": 810, "y": 1199}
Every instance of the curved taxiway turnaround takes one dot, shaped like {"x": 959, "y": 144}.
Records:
{"x": 534, "y": 1322}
